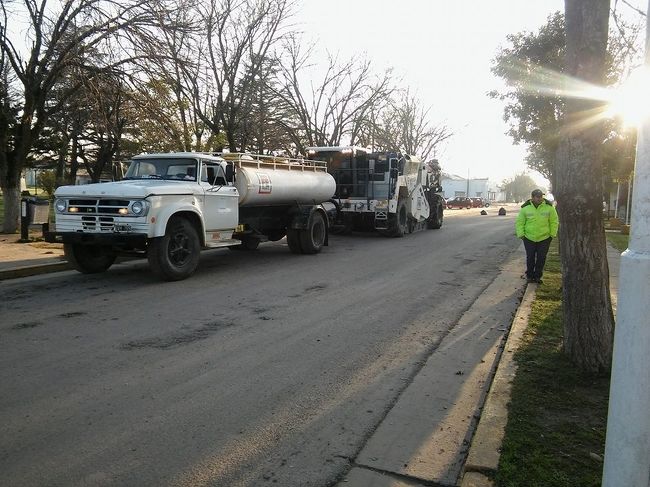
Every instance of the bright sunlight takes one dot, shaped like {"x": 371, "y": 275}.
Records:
{"x": 631, "y": 100}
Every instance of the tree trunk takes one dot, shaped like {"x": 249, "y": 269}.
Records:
{"x": 61, "y": 161}
{"x": 74, "y": 161}
{"x": 11, "y": 198}
{"x": 587, "y": 308}
{"x": 14, "y": 162}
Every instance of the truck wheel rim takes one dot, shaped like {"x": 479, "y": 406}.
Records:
{"x": 179, "y": 249}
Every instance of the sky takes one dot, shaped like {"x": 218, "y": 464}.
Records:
{"x": 443, "y": 51}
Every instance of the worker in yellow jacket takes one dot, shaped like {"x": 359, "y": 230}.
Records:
{"x": 536, "y": 225}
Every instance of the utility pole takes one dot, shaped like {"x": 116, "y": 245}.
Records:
{"x": 627, "y": 447}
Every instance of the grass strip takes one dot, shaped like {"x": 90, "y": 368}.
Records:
{"x": 618, "y": 240}
{"x": 555, "y": 436}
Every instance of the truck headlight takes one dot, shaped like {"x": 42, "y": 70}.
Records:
{"x": 60, "y": 205}
{"x": 138, "y": 208}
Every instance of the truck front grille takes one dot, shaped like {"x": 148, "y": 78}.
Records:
{"x": 94, "y": 224}
{"x": 98, "y": 206}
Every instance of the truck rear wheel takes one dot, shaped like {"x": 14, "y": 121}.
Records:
{"x": 89, "y": 259}
{"x": 312, "y": 238}
{"x": 175, "y": 256}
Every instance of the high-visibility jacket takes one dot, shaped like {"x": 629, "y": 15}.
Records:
{"x": 537, "y": 224}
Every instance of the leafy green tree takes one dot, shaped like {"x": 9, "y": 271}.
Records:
{"x": 532, "y": 112}
{"x": 518, "y": 188}
{"x": 46, "y": 180}
{"x": 532, "y": 65}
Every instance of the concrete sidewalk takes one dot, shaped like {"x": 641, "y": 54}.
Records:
{"x": 27, "y": 259}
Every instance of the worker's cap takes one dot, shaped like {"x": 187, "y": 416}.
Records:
{"x": 537, "y": 192}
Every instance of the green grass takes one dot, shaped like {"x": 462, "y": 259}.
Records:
{"x": 618, "y": 240}
{"x": 555, "y": 436}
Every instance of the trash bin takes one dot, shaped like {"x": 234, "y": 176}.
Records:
{"x": 33, "y": 211}
{"x": 39, "y": 211}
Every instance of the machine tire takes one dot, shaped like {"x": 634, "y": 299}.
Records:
{"x": 89, "y": 259}
{"x": 313, "y": 237}
{"x": 293, "y": 240}
{"x": 435, "y": 220}
{"x": 398, "y": 223}
{"x": 175, "y": 255}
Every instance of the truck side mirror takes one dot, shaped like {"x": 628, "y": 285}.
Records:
{"x": 230, "y": 173}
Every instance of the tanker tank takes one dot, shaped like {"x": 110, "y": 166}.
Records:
{"x": 282, "y": 182}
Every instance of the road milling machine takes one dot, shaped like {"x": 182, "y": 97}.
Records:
{"x": 389, "y": 192}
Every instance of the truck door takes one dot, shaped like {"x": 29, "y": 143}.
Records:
{"x": 220, "y": 205}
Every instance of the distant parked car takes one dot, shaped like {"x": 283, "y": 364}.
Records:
{"x": 460, "y": 202}
{"x": 479, "y": 203}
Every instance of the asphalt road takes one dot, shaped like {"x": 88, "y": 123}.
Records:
{"x": 264, "y": 368}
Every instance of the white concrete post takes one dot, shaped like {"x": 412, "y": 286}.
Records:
{"x": 629, "y": 197}
{"x": 618, "y": 194}
{"x": 627, "y": 448}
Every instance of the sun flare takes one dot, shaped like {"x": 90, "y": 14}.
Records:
{"x": 631, "y": 100}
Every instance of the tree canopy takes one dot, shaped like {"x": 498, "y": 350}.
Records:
{"x": 100, "y": 80}
{"x": 532, "y": 65}
{"x": 518, "y": 188}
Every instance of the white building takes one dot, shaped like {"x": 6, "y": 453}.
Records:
{"x": 453, "y": 185}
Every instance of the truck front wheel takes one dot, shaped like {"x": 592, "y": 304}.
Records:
{"x": 89, "y": 259}
{"x": 312, "y": 238}
{"x": 175, "y": 255}
{"x": 435, "y": 219}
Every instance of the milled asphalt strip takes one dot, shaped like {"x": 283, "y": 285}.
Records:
{"x": 424, "y": 439}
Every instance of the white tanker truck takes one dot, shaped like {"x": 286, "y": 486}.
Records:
{"x": 170, "y": 206}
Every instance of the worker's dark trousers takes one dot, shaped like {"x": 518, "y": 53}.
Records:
{"x": 536, "y": 257}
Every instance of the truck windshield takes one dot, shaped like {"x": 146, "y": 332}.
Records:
{"x": 164, "y": 168}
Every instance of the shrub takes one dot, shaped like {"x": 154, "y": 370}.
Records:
{"x": 46, "y": 180}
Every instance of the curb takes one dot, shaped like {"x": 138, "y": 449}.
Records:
{"x": 33, "y": 270}
{"x": 483, "y": 457}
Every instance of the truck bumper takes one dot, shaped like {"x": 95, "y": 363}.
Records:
{"x": 130, "y": 240}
